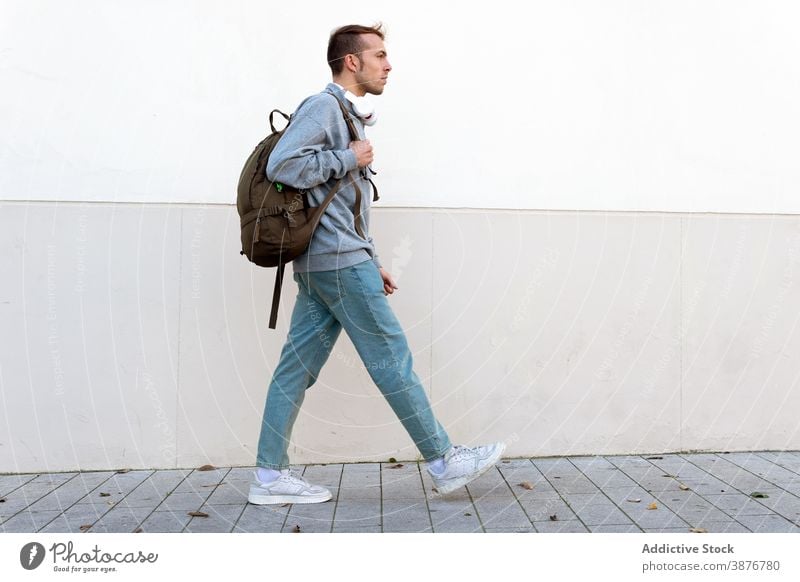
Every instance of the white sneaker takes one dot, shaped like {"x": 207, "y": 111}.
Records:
{"x": 287, "y": 488}
{"x": 464, "y": 464}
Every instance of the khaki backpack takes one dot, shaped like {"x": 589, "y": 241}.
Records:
{"x": 276, "y": 219}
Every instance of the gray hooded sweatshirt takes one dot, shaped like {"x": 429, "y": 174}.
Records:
{"x": 311, "y": 155}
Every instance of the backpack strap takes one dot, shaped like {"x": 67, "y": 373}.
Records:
{"x": 276, "y": 295}
{"x": 276, "y": 291}
{"x": 354, "y": 137}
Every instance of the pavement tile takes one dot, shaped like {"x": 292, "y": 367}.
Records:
{"x": 738, "y": 504}
{"x": 165, "y": 522}
{"x": 626, "y": 496}
{"x": 691, "y": 506}
{"x": 120, "y": 520}
{"x": 573, "y": 485}
{"x": 229, "y": 492}
{"x": 72, "y": 491}
{"x": 29, "y": 521}
{"x": 328, "y": 476}
{"x": 514, "y": 464}
{"x": 32, "y": 491}
{"x": 356, "y": 529}
{"x": 399, "y": 516}
{"x": 571, "y": 526}
{"x": 116, "y": 488}
{"x": 661, "y": 517}
{"x": 610, "y": 478}
{"x": 361, "y": 481}
{"x": 453, "y": 515}
{"x": 201, "y": 482}
{"x": 221, "y": 519}
{"x": 152, "y": 490}
{"x": 501, "y": 513}
{"x": 262, "y": 519}
{"x": 401, "y": 483}
{"x": 768, "y": 523}
{"x": 787, "y": 460}
{"x": 615, "y": 528}
{"x": 542, "y": 509}
{"x": 240, "y": 474}
{"x": 358, "y": 513}
{"x": 702, "y": 485}
{"x": 186, "y": 501}
{"x": 76, "y": 517}
{"x": 719, "y": 526}
{"x": 507, "y": 530}
{"x": 10, "y": 482}
{"x": 490, "y": 484}
{"x": 628, "y": 461}
{"x": 514, "y": 474}
{"x": 310, "y": 517}
{"x": 777, "y": 498}
{"x": 596, "y": 510}
{"x": 466, "y": 522}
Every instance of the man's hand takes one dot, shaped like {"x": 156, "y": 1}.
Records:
{"x": 363, "y": 151}
{"x": 388, "y": 283}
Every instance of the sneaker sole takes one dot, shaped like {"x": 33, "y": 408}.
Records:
{"x": 257, "y": 499}
{"x": 457, "y": 484}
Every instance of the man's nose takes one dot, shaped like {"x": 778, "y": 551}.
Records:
{"x": 388, "y": 67}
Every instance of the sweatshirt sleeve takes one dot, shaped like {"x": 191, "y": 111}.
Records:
{"x": 301, "y": 160}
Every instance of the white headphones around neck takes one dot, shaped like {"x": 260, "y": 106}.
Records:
{"x": 363, "y": 108}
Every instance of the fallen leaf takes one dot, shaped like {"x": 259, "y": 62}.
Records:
{"x": 84, "y": 527}
{"x": 526, "y": 485}
{"x": 124, "y": 471}
{"x": 198, "y": 514}
{"x": 296, "y": 529}
{"x": 468, "y": 514}
{"x": 683, "y": 487}
{"x": 207, "y": 468}
{"x": 105, "y": 495}
{"x": 634, "y": 500}
{"x": 758, "y": 495}
{"x": 506, "y": 462}
{"x": 652, "y": 506}
{"x": 654, "y": 457}
{"x": 138, "y": 530}
{"x": 698, "y": 530}
{"x": 554, "y": 517}
{"x": 556, "y": 477}
{"x": 397, "y": 466}
{"x": 3, "y": 500}
{"x": 212, "y": 485}
{"x": 668, "y": 475}
{"x": 434, "y": 489}
{"x": 286, "y": 505}
{"x": 392, "y": 460}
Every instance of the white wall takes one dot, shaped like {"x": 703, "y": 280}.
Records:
{"x": 619, "y": 104}
{"x": 134, "y": 335}
{"x": 578, "y": 321}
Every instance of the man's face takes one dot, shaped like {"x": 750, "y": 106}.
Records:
{"x": 373, "y": 65}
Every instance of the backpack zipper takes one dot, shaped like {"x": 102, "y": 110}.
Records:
{"x": 257, "y": 230}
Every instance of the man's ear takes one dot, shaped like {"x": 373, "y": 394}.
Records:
{"x": 353, "y": 62}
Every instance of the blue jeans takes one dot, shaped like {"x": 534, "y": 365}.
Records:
{"x": 327, "y": 301}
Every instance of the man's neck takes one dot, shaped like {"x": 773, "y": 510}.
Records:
{"x": 354, "y": 88}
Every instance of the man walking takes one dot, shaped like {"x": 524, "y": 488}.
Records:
{"x": 342, "y": 284}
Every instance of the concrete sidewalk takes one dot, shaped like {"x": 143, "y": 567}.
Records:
{"x": 715, "y": 492}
